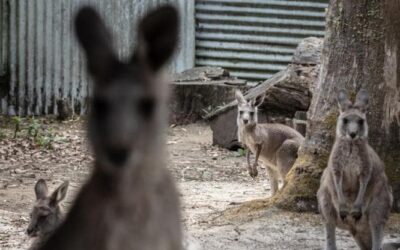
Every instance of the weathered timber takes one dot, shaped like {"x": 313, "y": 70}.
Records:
{"x": 198, "y": 91}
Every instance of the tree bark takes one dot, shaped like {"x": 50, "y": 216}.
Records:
{"x": 361, "y": 50}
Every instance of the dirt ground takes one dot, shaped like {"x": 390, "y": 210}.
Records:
{"x": 210, "y": 180}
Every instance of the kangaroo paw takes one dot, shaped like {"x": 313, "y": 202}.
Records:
{"x": 343, "y": 212}
{"x": 356, "y": 213}
{"x": 251, "y": 173}
{"x": 255, "y": 172}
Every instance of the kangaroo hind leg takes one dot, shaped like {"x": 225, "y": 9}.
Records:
{"x": 286, "y": 157}
{"x": 273, "y": 179}
{"x": 363, "y": 241}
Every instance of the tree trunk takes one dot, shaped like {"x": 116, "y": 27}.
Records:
{"x": 361, "y": 50}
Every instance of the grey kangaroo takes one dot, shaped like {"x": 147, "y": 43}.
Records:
{"x": 130, "y": 200}
{"x": 354, "y": 193}
{"x": 46, "y": 214}
{"x": 276, "y": 145}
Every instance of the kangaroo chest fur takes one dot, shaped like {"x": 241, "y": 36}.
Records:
{"x": 352, "y": 168}
{"x": 250, "y": 136}
{"x": 270, "y": 138}
{"x": 348, "y": 159}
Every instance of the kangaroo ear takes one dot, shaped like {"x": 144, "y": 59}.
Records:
{"x": 59, "y": 194}
{"x": 239, "y": 97}
{"x": 343, "y": 100}
{"x": 362, "y": 100}
{"x": 158, "y": 37}
{"x": 95, "y": 40}
{"x": 258, "y": 100}
{"x": 41, "y": 189}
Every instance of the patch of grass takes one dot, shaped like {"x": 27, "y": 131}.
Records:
{"x": 241, "y": 152}
{"x": 36, "y": 130}
{"x": 46, "y": 139}
{"x": 16, "y": 120}
{"x": 3, "y": 135}
{"x": 33, "y": 127}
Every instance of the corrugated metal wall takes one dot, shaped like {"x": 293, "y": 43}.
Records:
{"x": 40, "y": 60}
{"x": 39, "y": 56}
{"x": 254, "y": 38}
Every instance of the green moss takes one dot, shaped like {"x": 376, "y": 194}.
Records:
{"x": 300, "y": 193}
{"x": 330, "y": 120}
{"x": 303, "y": 183}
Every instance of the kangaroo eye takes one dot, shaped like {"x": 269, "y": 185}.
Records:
{"x": 251, "y": 113}
{"x": 345, "y": 121}
{"x": 146, "y": 106}
{"x": 360, "y": 122}
{"x": 241, "y": 112}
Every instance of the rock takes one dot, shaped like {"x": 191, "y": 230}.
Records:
{"x": 287, "y": 92}
{"x": 19, "y": 171}
{"x": 308, "y": 51}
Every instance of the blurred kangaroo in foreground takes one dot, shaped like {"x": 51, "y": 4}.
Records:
{"x": 354, "y": 192}
{"x": 275, "y": 144}
{"x": 46, "y": 214}
{"x": 130, "y": 201}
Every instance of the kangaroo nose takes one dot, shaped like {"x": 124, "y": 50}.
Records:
{"x": 118, "y": 156}
{"x": 245, "y": 121}
{"x": 352, "y": 135}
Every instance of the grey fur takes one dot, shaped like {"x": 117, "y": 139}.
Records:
{"x": 354, "y": 193}
{"x": 130, "y": 202}
{"x": 46, "y": 214}
{"x": 276, "y": 145}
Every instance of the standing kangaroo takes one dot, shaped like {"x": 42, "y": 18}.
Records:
{"x": 130, "y": 200}
{"x": 46, "y": 214}
{"x": 275, "y": 144}
{"x": 354, "y": 192}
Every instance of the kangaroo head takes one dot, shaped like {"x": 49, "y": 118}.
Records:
{"x": 129, "y": 96}
{"x": 247, "y": 110}
{"x": 46, "y": 213}
{"x": 352, "y": 121}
